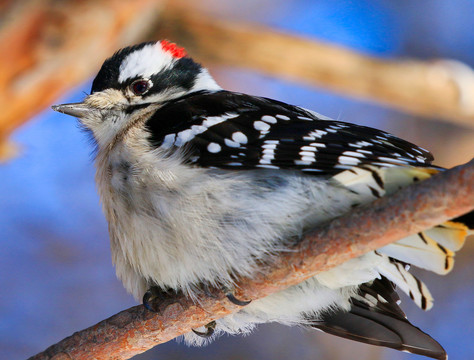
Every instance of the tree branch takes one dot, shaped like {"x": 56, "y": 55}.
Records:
{"x": 412, "y": 209}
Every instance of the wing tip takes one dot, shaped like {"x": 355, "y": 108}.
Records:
{"x": 382, "y": 332}
{"x": 378, "y": 320}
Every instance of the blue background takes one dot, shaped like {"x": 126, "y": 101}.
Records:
{"x": 56, "y": 275}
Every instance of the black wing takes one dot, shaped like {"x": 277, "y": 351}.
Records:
{"x": 237, "y": 131}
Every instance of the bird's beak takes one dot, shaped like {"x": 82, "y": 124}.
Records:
{"x": 79, "y": 110}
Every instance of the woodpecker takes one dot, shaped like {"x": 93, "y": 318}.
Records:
{"x": 202, "y": 185}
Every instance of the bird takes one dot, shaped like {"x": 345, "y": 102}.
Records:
{"x": 201, "y": 186}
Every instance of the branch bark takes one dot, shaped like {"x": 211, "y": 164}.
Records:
{"x": 415, "y": 208}
{"x": 53, "y": 49}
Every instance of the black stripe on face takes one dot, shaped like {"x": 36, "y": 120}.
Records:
{"x": 132, "y": 108}
{"x": 181, "y": 76}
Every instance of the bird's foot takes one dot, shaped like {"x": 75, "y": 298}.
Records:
{"x": 208, "y": 291}
{"x": 230, "y": 295}
{"x": 210, "y": 328}
{"x": 156, "y": 296}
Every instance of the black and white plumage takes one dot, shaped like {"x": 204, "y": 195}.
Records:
{"x": 231, "y": 130}
{"x": 202, "y": 185}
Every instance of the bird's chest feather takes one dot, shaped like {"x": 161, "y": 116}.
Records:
{"x": 189, "y": 225}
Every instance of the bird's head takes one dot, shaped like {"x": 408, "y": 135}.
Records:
{"x": 135, "y": 79}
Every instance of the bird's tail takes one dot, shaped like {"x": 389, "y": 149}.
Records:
{"x": 432, "y": 249}
{"x": 375, "y": 318}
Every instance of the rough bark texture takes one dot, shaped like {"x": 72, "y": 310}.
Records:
{"x": 410, "y": 210}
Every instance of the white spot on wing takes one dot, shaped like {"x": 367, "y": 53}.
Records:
{"x": 267, "y": 166}
{"x": 214, "y": 120}
{"x": 360, "y": 144}
{"x": 198, "y": 129}
{"x": 184, "y": 136}
{"x": 346, "y": 160}
{"x": 306, "y": 153}
{"x": 317, "y": 134}
{"x": 269, "y": 146}
{"x": 283, "y": 117}
{"x": 312, "y": 170}
{"x": 269, "y": 119}
{"x": 168, "y": 141}
{"x": 261, "y": 126}
{"x": 268, "y": 156}
{"x": 239, "y": 137}
{"x": 187, "y": 135}
{"x": 213, "y": 147}
{"x": 321, "y": 145}
{"x": 353, "y": 153}
{"x": 231, "y": 143}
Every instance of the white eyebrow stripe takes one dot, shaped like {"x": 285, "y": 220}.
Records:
{"x": 145, "y": 62}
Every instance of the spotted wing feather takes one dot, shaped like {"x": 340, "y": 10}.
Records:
{"x": 236, "y": 131}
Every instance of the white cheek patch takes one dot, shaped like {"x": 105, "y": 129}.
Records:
{"x": 145, "y": 62}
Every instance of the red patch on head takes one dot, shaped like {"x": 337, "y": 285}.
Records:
{"x": 173, "y": 49}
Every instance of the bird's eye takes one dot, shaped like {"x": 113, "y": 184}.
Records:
{"x": 140, "y": 87}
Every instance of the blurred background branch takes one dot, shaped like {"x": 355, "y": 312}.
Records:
{"x": 439, "y": 89}
{"x": 56, "y": 46}
{"x": 408, "y": 211}
{"x": 53, "y": 49}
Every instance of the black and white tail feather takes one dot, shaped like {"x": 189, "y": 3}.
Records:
{"x": 166, "y": 131}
